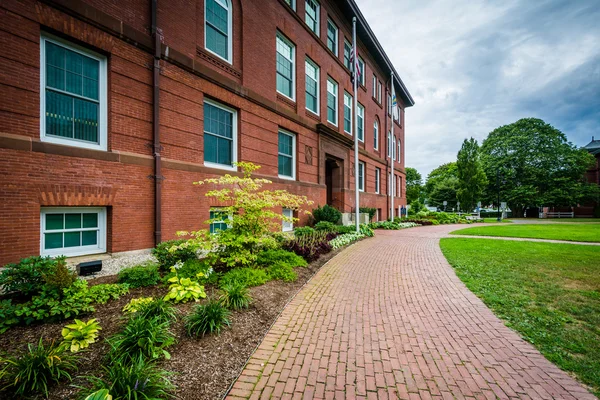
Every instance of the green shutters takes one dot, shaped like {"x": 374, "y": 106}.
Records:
{"x": 219, "y": 135}
{"x": 332, "y": 37}
{"x": 332, "y": 103}
{"x": 312, "y": 86}
{"x": 73, "y": 231}
{"x": 218, "y": 28}
{"x": 286, "y": 155}
{"x": 71, "y": 94}
{"x": 285, "y": 67}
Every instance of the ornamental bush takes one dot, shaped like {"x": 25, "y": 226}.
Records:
{"x": 245, "y": 276}
{"x": 345, "y": 239}
{"x": 326, "y": 213}
{"x": 311, "y": 247}
{"x": 139, "y": 275}
{"x": 325, "y": 226}
{"x": 368, "y": 210}
{"x": 303, "y": 231}
{"x": 27, "y": 276}
{"x": 169, "y": 253}
{"x": 270, "y": 257}
{"x": 282, "y": 272}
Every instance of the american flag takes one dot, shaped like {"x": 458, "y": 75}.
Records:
{"x": 354, "y": 64}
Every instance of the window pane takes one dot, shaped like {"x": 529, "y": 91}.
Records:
{"x": 53, "y": 241}
{"x": 54, "y": 221}
{"x": 89, "y": 238}
{"x": 55, "y": 66}
{"x": 72, "y": 221}
{"x": 86, "y": 124}
{"x": 224, "y": 151}
{"x": 90, "y": 220}
{"x": 347, "y": 50}
{"x": 72, "y": 239}
{"x": 285, "y": 165}
{"x": 210, "y": 148}
{"x": 59, "y": 114}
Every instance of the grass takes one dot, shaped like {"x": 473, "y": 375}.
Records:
{"x": 548, "y": 292}
{"x": 495, "y": 220}
{"x": 571, "y": 232}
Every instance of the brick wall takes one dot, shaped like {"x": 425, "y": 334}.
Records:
{"x": 35, "y": 174}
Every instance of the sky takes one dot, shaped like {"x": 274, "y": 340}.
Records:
{"x": 472, "y": 66}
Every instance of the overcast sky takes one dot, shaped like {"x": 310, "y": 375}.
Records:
{"x": 472, "y": 66}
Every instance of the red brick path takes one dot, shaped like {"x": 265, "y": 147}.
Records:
{"x": 388, "y": 318}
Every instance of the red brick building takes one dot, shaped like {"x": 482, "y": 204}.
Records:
{"x": 109, "y": 110}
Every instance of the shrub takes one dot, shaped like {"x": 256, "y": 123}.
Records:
{"x": 342, "y": 229}
{"x": 325, "y": 226}
{"x": 140, "y": 275}
{"x": 303, "y": 231}
{"x": 270, "y": 257}
{"x": 80, "y": 335}
{"x": 137, "y": 380}
{"x": 190, "y": 269}
{"x": 310, "y": 247}
{"x": 61, "y": 277}
{"x": 135, "y": 305}
{"x": 27, "y": 276}
{"x": 326, "y": 213}
{"x": 235, "y": 296}
{"x": 34, "y": 371}
{"x": 282, "y": 271}
{"x": 7, "y": 315}
{"x": 168, "y": 253}
{"x": 184, "y": 289}
{"x": 368, "y": 210}
{"x": 159, "y": 309}
{"x": 245, "y": 276}
{"x": 366, "y": 230}
{"x": 100, "y": 294}
{"x": 141, "y": 337}
{"x": 207, "y": 318}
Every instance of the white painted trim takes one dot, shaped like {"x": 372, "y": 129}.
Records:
{"x": 282, "y": 37}
{"x": 75, "y": 251}
{"x": 102, "y": 96}
{"x": 229, "y": 8}
{"x": 377, "y": 180}
{"x": 359, "y": 108}
{"x": 317, "y": 17}
{"x": 376, "y": 135}
{"x": 337, "y": 36}
{"x": 290, "y": 225}
{"x": 337, "y": 111}
{"x": 348, "y": 95}
{"x": 234, "y": 145}
{"x": 318, "y": 71}
{"x": 293, "y": 177}
{"x": 362, "y": 181}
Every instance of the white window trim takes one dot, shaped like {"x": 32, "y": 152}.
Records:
{"x": 344, "y": 54}
{"x": 361, "y": 165}
{"x": 377, "y": 180}
{"x": 217, "y": 209}
{"x": 346, "y": 94}
{"x": 234, "y": 127}
{"x": 374, "y": 86}
{"x": 379, "y": 91}
{"x": 292, "y": 4}
{"x": 76, "y": 251}
{"x": 337, "y": 111}
{"x": 360, "y": 107}
{"x": 337, "y": 36}
{"x": 317, "y": 17}
{"x": 394, "y": 148}
{"x": 102, "y": 99}
{"x": 229, "y": 60}
{"x": 363, "y": 71}
{"x": 318, "y": 70}
{"x": 287, "y": 226}
{"x": 293, "y": 177}
{"x": 389, "y": 145}
{"x": 376, "y": 135}
{"x": 398, "y": 156}
{"x": 293, "y": 60}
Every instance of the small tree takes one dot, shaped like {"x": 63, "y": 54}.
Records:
{"x": 250, "y": 213}
{"x": 414, "y": 185}
{"x": 471, "y": 175}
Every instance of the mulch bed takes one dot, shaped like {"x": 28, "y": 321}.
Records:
{"x": 203, "y": 368}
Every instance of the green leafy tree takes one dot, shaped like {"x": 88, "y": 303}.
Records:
{"x": 414, "y": 185}
{"x": 442, "y": 185}
{"x": 471, "y": 175}
{"x": 531, "y": 163}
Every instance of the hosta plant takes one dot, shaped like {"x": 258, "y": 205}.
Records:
{"x": 183, "y": 290}
{"x": 135, "y": 305}
{"x": 345, "y": 239}
{"x": 80, "y": 335}
{"x": 34, "y": 371}
{"x": 101, "y": 394}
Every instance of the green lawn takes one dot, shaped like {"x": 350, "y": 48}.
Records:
{"x": 548, "y": 292}
{"x": 495, "y": 221}
{"x": 571, "y": 232}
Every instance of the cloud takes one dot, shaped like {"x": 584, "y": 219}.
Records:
{"x": 474, "y": 66}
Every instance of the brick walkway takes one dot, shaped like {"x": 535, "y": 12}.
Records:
{"x": 388, "y": 318}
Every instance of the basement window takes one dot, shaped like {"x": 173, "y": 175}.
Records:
{"x": 72, "y": 231}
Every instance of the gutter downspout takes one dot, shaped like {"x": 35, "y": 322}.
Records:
{"x": 156, "y": 147}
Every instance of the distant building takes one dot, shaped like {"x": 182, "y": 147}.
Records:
{"x": 593, "y": 174}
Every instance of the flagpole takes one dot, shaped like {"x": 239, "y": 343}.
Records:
{"x": 392, "y": 175}
{"x": 355, "y": 125}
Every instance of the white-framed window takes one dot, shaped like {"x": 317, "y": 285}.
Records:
{"x": 287, "y": 155}
{"x": 73, "y": 106}
{"x": 72, "y": 231}
{"x": 376, "y": 135}
{"x": 332, "y": 101}
{"x": 361, "y": 68}
{"x": 377, "y": 178}
{"x": 379, "y": 92}
{"x": 291, "y": 3}
{"x": 219, "y": 220}
{"x": 399, "y": 116}
{"x": 311, "y": 18}
{"x": 347, "y": 113}
{"x": 217, "y": 28}
{"x": 332, "y": 37}
{"x": 347, "y": 51}
{"x": 399, "y": 153}
{"x": 287, "y": 226}
{"x": 361, "y": 176}
{"x": 389, "y": 104}
{"x": 286, "y": 59}
{"x": 312, "y": 86}
{"x": 390, "y": 184}
{"x": 360, "y": 122}
{"x": 393, "y": 147}
{"x": 389, "y": 144}
{"x": 374, "y": 86}
{"x": 399, "y": 186}
{"x": 220, "y": 135}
